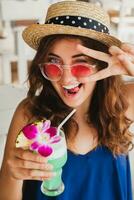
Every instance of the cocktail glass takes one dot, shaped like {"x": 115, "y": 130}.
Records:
{"x": 58, "y": 158}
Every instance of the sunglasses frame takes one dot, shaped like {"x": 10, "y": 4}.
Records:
{"x": 62, "y": 67}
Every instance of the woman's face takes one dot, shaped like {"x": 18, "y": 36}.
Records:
{"x": 73, "y": 92}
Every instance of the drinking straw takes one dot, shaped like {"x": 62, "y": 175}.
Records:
{"x": 64, "y": 121}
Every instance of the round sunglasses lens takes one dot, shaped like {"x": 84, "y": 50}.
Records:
{"x": 52, "y": 71}
{"x": 81, "y": 70}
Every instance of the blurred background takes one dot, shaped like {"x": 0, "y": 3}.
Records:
{"x": 15, "y": 15}
{"x": 15, "y": 55}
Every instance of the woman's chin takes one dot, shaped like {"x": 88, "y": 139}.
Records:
{"x": 73, "y": 104}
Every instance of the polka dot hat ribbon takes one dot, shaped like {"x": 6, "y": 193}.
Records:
{"x": 80, "y": 22}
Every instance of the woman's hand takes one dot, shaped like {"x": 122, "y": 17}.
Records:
{"x": 120, "y": 61}
{"x": 24, "y": 164}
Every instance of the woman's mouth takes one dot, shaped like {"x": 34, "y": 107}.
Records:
{"x": 71, "y": 90}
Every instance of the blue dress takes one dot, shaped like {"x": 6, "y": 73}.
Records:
{"x": 97, "y": 175}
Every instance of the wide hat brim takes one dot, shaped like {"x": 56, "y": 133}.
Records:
{"x": 33, "y": 34}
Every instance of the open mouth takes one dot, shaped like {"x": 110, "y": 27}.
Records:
{"x": 72, "y": 90}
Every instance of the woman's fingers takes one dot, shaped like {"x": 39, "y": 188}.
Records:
{"x": 28, "y": 155}
{"x": 30, "y": 165}
{"x": 104, "y": 73}
{"x": 24, "y": 165}
{"x": 32, "y": 174}
{"x": 93, "y": 53}
{"x": 120, "y": 61}
{"x": 128, "y": 48}
{"x": 127, "y": 64}
{"x": 125, "y": 55}
{"x": 114, "y": 51}
{"x": 114, "y": 68}
{"x": 39, "y": 173}
{"x": 125, "y": 51}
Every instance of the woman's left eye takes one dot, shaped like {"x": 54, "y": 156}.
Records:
{"x": 53, "y": 60}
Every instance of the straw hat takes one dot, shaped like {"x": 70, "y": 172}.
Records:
{"x": 72, "y": 18}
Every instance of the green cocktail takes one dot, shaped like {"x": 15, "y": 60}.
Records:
{"x": 58, "y": 158}
{"x": 48, "y": 141}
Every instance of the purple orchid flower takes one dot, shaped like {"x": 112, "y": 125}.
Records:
{"x": 42, "y": 136}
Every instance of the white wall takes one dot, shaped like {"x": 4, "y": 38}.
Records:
{"x": 10, "y": 97}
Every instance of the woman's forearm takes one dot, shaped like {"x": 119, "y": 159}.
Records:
{"x": 10, "y": 189}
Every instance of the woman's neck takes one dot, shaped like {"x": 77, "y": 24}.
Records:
{"x": 81, "y": 113}
{"x": 84, "y": 140}
{"x": 86, "y": 137}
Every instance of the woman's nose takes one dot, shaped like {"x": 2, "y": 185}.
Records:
{"x": 67, "y": 75}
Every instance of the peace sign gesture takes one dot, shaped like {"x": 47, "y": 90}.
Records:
{"x": 120, "y": 61}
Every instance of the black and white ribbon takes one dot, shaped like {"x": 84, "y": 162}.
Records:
{"x": 80, "y": 22}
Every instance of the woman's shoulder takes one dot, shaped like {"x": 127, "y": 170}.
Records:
{"x": 21, "y": 117}
{"x": 22, "y": 111}
{"x": 105, "y": 155}
{"x": 118, "y": 163}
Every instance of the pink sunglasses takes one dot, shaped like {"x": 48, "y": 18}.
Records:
{"x": 53, "y": 71}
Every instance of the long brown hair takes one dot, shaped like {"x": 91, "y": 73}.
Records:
{"x": 107, "y": 108}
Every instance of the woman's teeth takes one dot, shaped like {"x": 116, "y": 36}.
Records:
{"x": 72, "y": 89}
{"x": 68, "y": 87}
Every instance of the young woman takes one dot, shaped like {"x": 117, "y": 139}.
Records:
{"x": 75, "y": 68}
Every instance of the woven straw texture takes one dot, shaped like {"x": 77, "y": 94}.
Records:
{"x": 34, "y": 33}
